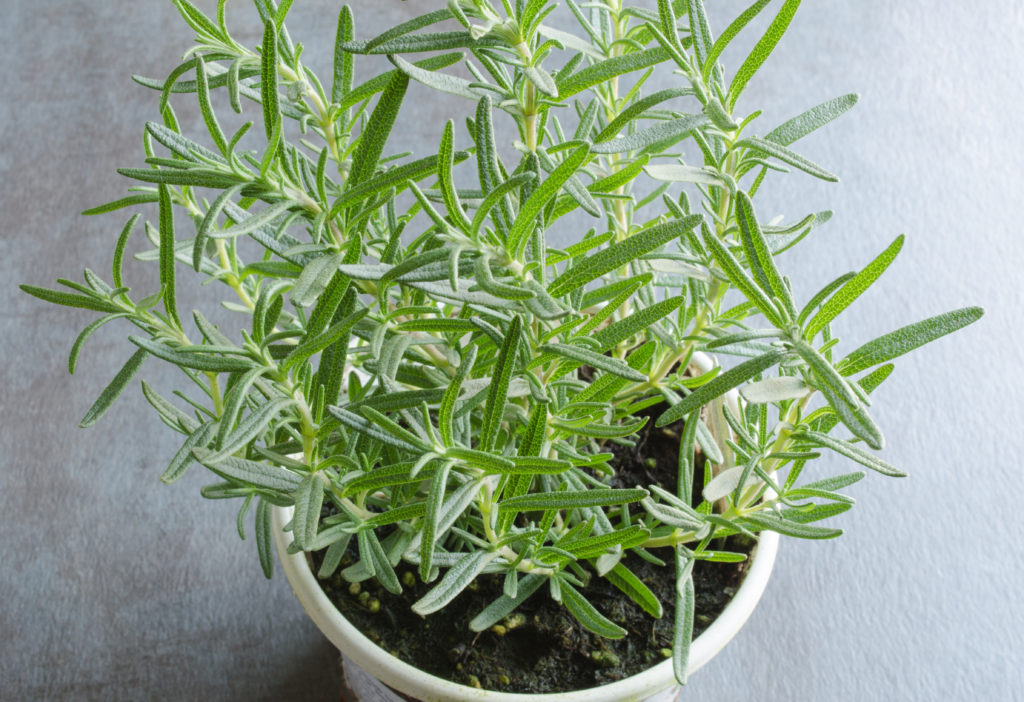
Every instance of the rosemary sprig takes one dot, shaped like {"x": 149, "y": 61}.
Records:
{"x": 410, "y": 344}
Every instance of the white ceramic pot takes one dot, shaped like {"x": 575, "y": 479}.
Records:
{"x": 656, "y": 684}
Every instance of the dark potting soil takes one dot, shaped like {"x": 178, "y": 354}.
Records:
{"x": 541, "y": 647}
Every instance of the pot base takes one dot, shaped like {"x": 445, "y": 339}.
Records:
{"x": 360, "y": 686}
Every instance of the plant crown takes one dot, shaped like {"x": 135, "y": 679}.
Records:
{"x": 413, "y": 343}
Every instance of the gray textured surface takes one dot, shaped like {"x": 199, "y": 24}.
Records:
{"x": 114, "y": 587}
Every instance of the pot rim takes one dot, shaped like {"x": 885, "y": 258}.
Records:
{"x": 410, "y": 680}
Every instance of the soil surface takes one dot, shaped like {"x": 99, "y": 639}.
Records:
{"x": 541, "y": 647}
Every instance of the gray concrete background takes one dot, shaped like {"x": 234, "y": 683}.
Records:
{"x": 115, "y": 587}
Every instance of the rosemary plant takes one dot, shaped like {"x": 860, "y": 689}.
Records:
{"x": 413, "y": 351}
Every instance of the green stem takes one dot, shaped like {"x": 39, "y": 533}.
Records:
{"x": 218, "y": 403}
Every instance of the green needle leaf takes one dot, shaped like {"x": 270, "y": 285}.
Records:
{"x": 196, "y": 360}
{"x": 686, "y": 601}
{"x": 443, "y": 82}
{"x": 852, "y": 289}
{"x": 167, "y": 255}
{"x": 533, "y": 465}
{"x": 498, "y": 393}
{"x": 445, "y": 162}
{"x": 381, "y": 564}
{"x": 851, "y": 451}
{"x": 408, "y": 27}
{"x": 505, "y": 605}
{"x": 137, "y": 199}
{"x": 587, "y": 614}
{"x": 196, "y": 177}
{"x": 759, "y": 256}
{"x": 624, "y": 579}
{"x": 621, "y": 253}
{"x": 197, "y": 20}
{"x": 728, "y": 35}
{"x": 762, "y": 50}
{"x": 811, "y": 120}
{"x": 699, "y": 30}
{"x": 458, "y": 577}
{"x": 265, "y": 537}
{"x": 542, "y": 80}
{"x": 368, "y": 89}
{"x": 483, "y": 460}
{"x": 451, "y": 394}
{"x": 794, "y": 159}
{"x": 59, "y": 297}
{"x": 636, "y": 323}
{"x": 737, "y": 275}
{"x": 250, "y": 473}
{"x": 203, "y": 92}
{"x": 786, "y": 527}
{"x": 564, "y": 500}
{"x": 415, "y": 43}
{"x": 719, "y": 385}
{"x": 635, "y": 110}
{"x": 309, "y": 497}
{"x": 597, "y": 360}
{"x": 362, "y": 425}
{"x": 497, "y": 196}
{"x": 431, "y": 520}
{"x": 250, "y": 428}
{"x": 181, "y": 146}
{"x": 487, "y": 169}
{"x": 594, "y": 546}
{"x": 896, "y": 343}
{"x": 524, "y": 223}
{"x": 268, "y": 78}
{"x": 603, "y": 71}
{"x": 114, "y": 389}
{"x": 184, "y": 457}
{"x": 841, "y": 397}
{"x": 375, "y": 134}
{"x": 667, "y": 132}
{"x": 342, "y": 84}
{"x": 332, "y": 335}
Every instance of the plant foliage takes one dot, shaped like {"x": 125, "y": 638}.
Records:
{"x": 412, "y": 341}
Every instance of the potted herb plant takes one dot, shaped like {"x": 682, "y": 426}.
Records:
{"x": 470, "y": 388}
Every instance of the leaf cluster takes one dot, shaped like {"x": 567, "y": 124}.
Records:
{"x": 416, "y": 355}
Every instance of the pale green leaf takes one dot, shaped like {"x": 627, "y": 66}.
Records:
{"x": 588, "y": 615}
{"x": 114, "y": 389}
{"x": 621, "y": 253}
{"x": 794, "y": 159}
{"x": 762, "y": 50}
{"x": 811, "y": 120}
{"x": 458, "y": 577}
{"x": 719, "y": 385}
{"x": 309, "y": 497}
{"x": 896, "y": 343}
{"x": 852, "y": 289}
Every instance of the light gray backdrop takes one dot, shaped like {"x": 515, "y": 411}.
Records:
{"x": 114, "y": 587}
